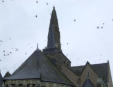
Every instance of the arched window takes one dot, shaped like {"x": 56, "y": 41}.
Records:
{"x": 88, "y": 83}
{"x": 88, "y": 74}
{"x": 7, "y": 86}
{"x": 99, "y": 85}
{"x": 28, "y": 85}
{"x": 33, "y": 85}
{"x": 20, "y": 85}
{"x": 38, "y": 85}
{"x": 12, "y": 85}
{"x": 42, "y": 86}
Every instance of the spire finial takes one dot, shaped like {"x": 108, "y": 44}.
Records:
{"x": 53, "y": 7}
{"x": 87, "y": 63}
{"x": 37, "y": 46}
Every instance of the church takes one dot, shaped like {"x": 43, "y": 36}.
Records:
{"x": 51, "y": 68}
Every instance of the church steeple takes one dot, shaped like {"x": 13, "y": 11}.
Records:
{"x": 54, "y": 34}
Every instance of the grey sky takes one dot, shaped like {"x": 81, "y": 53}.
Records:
{"x": 81, "y": 40}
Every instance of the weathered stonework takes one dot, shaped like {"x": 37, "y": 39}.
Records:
{"x": 70, "y": 75}
{"x": 88, "y": 73}
{"x": 32, "y": 83}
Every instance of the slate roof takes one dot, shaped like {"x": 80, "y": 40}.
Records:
{"x": 37, "y": 66}
{"x": 100, "y": 69}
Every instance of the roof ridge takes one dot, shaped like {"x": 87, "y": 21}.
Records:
{"x": 90, "y": 64}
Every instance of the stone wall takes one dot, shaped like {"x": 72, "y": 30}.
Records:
{"x": 32, "y": 83}
{"x": 79, "y": 81}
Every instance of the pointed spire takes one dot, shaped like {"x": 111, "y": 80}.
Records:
{"x": 7, "y": 74}
{"x": 1, "y": 79}
{"x": 37, "y": 47}
{"x": 87, "y": 63}
{"x": 54, "y": 34}
{"x": 38, "y": 50}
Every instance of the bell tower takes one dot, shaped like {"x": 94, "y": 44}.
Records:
{"x": 53, "y": 50}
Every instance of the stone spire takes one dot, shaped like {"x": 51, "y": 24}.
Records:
{"x": 1, "y": 79}
{"x": 54, "y": 34}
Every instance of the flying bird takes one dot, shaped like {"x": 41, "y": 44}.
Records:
{"x": 3, "y": 50}
{"x": 16, "y": 49}
{"x": 36, "y": 15}
{"x": 97, "y": 27}
{"x": 3, "y": 1}
{"x": 47, "y": 3}
{"x": 37, "y": 2}
{"x": 67, "y": 43}
{"x": 4, "y": 55}
{"x": 101, "y": 27}
{"x": 74, "y": 20}
{"x": 103, "y": 23}
{"x": 1, "y": 40}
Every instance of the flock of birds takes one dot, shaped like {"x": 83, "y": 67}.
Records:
{"x": 6, "y": 52}
{"x": 36, "y": 16}
{"x": 74, "y": 20}
{"x": 100, "y": 27}
{"x": 9, "y": 51}
{"x": 13, "y": 50}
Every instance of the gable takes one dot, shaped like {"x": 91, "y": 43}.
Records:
{"x": 88, "y": 73}
{"x": 100, "y": 69}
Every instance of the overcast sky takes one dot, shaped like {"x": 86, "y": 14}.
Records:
{"x": 86, "y": 28}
